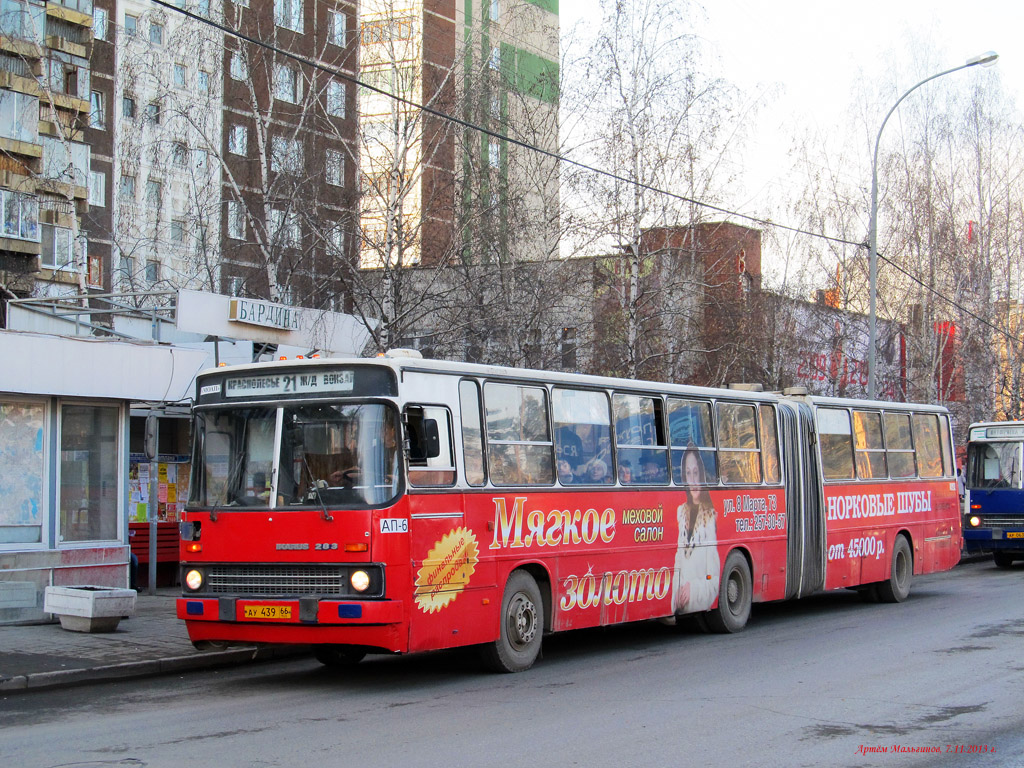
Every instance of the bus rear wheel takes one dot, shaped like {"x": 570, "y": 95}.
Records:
{"x": 897, "y": 588}
{"x": 1003, "y": 559}
{"x": 338, "y": 656}
{"x": 735, "y": 595}
{"x": 522, "y": 627}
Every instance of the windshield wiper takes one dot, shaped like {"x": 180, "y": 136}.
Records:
{"x": 316, "y": 489}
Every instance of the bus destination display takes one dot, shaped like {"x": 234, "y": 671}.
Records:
{"x": 301, "y": 383}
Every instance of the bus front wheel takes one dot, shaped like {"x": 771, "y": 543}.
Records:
{"x": 522, "y": 626}
{"x": 336, "y": 656}
{"x": 897, "y": 588}
{"x": 1003, "y": 559}
{"x": 734, "y": 596}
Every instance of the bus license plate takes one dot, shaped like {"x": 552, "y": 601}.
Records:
{"x": 267, "y": 612}
{"x": 1015, "y": 535}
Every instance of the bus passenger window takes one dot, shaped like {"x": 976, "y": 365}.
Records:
{"x": 640, "y": 440}
{"x": 836, "y": 444}
{"x": 927, "y": 445}
{"x": 430, "y": 446}
{"x": 769, "y": 445}
{"x": 519, "y": 446}
{"x": 947, "y": 450}
{"x": 898, "y": 445}
{"x": 689, "y": 424}
{"x": 738, "y": 456}
{"x": 472, "y": 435}
{"x": 582, "y": 436}
{"x": 867, "y": 442}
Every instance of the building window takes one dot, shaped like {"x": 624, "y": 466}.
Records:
{"x": 156, "y": 33}
{"x": 204, "y": 8}
{"x": 55, "y": 250}
{"x": 128, "y": 107}
{"x": 203, "y": 81}
{"x": 152, "y": 271}
{"x": 238, "y": 140}
{"x": 286, "y": 84}
{"x": 495, "y": 10}
{"x": 336, "y": 32}
{"x": 97, "y": 115}
{"x": 97, "y": 189}
{"x": 90, "y": 480}
{"x": 201, "y": 159}
{"x": 21, "y": 215}
{"x": 236, "y": 220}
{"x": 336, "y": 239}
{"x": 335, "y": 167}
{"x": 285, "y": 155}
{"x": 127, "y": 191}
{"x": 241, "y": 3}
{"x": 494, "y": 62}
{"x": 99, "y": 23}
{"x": 238, "y": 68}
{"x": 177, "y": 231}
{"x": 493, "y": 153}
{"x": 179, "y": 154}
{"x": 153, "y": 112}
{"x": 568, "y": 349}
{"x": 57, "y": 78}
{"x": 131, "y": 24}
{"x": 154, "y": 194}
{"x": 127, "y": 268}
{"x": 336, "y": 98}
{"x": 179, "y": 75}
{"x": 288, "y": 14}
{"x": 285, "y": 229}
{"x": 19, "y": 116}
{"x": 23, "y": 437}
{"x": 235, "y": 285}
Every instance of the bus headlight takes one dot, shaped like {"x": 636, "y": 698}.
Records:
{"x": 360, "y": 581}
{"x": 975, "y": 521}
{"x": 194, "y": 580}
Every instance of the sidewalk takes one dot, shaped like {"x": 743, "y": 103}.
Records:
{"x": 153, "y": 641}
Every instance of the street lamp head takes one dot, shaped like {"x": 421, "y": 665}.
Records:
{"x": 986, "y": 59}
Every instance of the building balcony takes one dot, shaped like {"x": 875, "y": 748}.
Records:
{"x": 58, "y": 43}
{"x": 77, "y": 12}
{"x": 23, "y": 148}
{"x": 20, "y": 83}
{"x": 21, "y": 27}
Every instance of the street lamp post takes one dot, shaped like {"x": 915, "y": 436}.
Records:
{"x": 985, "y": 59}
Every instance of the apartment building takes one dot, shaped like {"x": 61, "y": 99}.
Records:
{"x": 432, "y": 186}
{"x": 45, "y": 106}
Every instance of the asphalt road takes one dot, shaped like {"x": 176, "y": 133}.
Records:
{"x": 810, "y": 683}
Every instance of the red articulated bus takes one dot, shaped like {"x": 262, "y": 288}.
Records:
{"x": 399, "y": 504}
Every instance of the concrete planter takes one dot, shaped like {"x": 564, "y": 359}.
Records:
{"x": 86, "y": 608}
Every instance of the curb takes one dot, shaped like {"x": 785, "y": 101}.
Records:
{"x": 148, "y": 668}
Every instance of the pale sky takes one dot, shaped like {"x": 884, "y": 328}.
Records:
{"x": 813, "y": 53}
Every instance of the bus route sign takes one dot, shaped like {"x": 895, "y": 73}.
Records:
{"x": 298, "y": 383}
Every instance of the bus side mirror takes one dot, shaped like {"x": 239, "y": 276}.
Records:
{"x": 426, "y": 441}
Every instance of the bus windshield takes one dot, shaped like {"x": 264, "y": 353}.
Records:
{"x": 320, "y": 455}
{"x": 993, "y": 465}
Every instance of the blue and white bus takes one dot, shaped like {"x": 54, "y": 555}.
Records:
{"x": 994, "y": 506}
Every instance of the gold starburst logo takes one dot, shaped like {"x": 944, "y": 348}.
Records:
{"x": 446, "y": 570}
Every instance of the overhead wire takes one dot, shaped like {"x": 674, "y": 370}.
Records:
{"x": 561, "y": 158}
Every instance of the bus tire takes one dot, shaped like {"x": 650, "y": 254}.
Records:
{"x": 521, "y": 627}
{"x": 1003, "y": 559}
{"x": 897, "y": 588}
{"x": 735, "y": 594}
{"x": 869, "y": 593}
{"x": 338, "y": 656}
